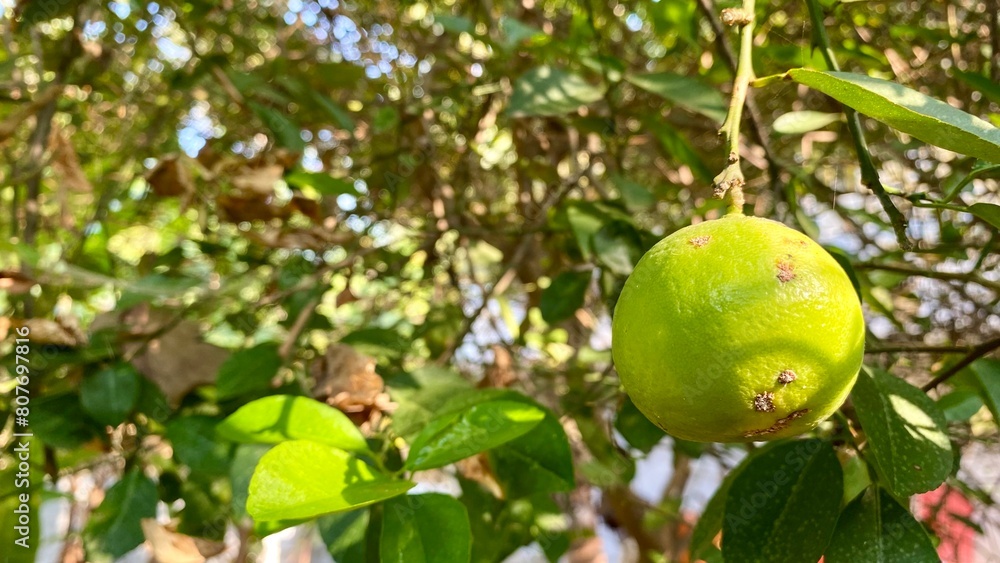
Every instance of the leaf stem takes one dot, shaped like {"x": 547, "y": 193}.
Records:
{"x": 869, "y": 173}
{"x": 731, "y": 180}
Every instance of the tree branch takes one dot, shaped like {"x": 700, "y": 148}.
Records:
{"x": 869, "y": 173}
{"x": 975, "y": 354}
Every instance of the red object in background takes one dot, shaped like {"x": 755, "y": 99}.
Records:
{"x": 938, "y": 510}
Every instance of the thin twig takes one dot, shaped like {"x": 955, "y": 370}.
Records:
{"x": 975, "y": 354}
{"x": 869, "y": 173}
{"x": 969, "y": 277}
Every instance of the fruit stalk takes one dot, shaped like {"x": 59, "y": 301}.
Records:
{"x": 731, "y": 180}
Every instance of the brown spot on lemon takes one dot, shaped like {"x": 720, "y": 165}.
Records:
{"x": 700, "y": 241}
{"x": 778, "y": 425}
{"x": 764, "y": 402}
{"x": 786, "y": 377}
{"x": 786, "y": 270}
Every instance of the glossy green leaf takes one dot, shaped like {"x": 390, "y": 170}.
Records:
{"x": 637, "y": 430}
{"x": 909, "y": 111}
{"x": 245, "y": 460}
{"x": 618, "y": 247}
{"x": 344, "y": 534}
{"x": 278, "y": 418}
{"x": 988, "y": 87}
{"x": 987, "y": 376}
{"x": 540, "y": 461}
{"x": 783, "y": 506}
{"x": 799, "y": 122}
{"x": 635, "y": 196}
{"x": 877, "y": 529}
{"x": 463, "y": 433}
{"x": 905, "y": 431}
{"x": 420, "y": 396}
{"x": 194, "y": 444}
{"x": 248, "y": 370}
{"x": 110, "y": 394}
{"x": 302, "y": 479}
{"x": 60, "y": 421}
{"x": 564, "y": 296}
{"x": 856, "y": 478}
{"x": 321, "y": 182}
{"x": 689, "y": 93}
{"x": 960, "y": 405}
{"x": 428, "y": 528}
{"x": 114, "y": 527}
{"x": 548, "y": 90}
{"x": 988, "y": 212}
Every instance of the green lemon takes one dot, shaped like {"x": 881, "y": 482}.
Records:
{"x": 739, "y": 329}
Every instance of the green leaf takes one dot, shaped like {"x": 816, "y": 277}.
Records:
{"x": 987, "y": 375}
{"x": 321, "y": 182}
{"x": 799, "y": 122}
{"x": 564, "y": 296}
{"x": 302, "y": 479}
{"x": 877, "y": 529}
{"x": 114, "y": 528}
{"x": 248, "y": 370}
{"x": 194, "y": 444}
{"x": 618, "y": 247}
{"x": 637, "y": 430}
{"x": 429, "y": 528}
{"x": 635, "y": 196}
{"x": 988, "y": 212}
{"x": 279, "y": 418}
{"x": 689, "y": 93}
{"x": 909, "y": 111}
{"x": 462, "y": 433}
{"x": 905, "y": 431}
{"x": 677, "y": 147}
{"x": 545, "y": 91}
{"x": 538, "y": 462}
{"x": 960, "y": 405}
{"x": 60, "y": 421}
{"x": 856, "y": 478}
{"x": 340, "y": 116}
{"x": 420, "y": 395}
{"x": 245, "y": 460}
{"x": 109, "y": 395}
{"x": 783, "y": 506}
{"x": 344, "y": 534}
{"x": 985, "y": 85}
{"x": 286, "y": 132}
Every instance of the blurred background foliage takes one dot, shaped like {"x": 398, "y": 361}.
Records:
{"x": 378, "y": 204}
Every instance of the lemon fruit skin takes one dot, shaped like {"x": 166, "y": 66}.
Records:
{"x": 738, "y": 329}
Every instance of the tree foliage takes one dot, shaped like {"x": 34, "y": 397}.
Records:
{"x": 281, "y": 261}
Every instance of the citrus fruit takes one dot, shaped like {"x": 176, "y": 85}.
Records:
{"x": 739, "y": 329}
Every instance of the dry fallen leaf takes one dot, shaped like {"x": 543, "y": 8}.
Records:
{"x": 15, "y": 283}
{"x": 347, "y": 380}
{"x": 66, "y": 164}
{"x": 170, "y": 177}
{"x": 177, "y": 361}
{"x": 315, "y": 238}
{"x": 169, "y": 546}
{"x": 238, "y": 207}
{"x": 46, "y": 331}
{"x": 258, "y": 180}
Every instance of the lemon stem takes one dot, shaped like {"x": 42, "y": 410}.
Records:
{"x": 731, "y": 180}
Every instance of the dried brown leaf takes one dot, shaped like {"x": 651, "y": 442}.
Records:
{"x": 15, "y": 283}
{"x": 347, "y": 380}
{"x": 170, "y": 177}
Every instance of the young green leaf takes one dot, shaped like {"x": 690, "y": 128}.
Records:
{"x": 302, "y": 479}
{"x": 278, "y": 418}
{"x": 960, "y": 404}
{"x": 684, "y": 91}
{"x": 637, "y": 430}
{"x": 286, "y": 132}
{"x": 988, "y": 212}
{"x": 909, "y": 111}
{"x": 429, "y": 528}
{"x": 905, "y": 431}
{"x": 322, "y": 183}
{"x": 459, "y": 434}
{"x": 876, "y": 529}
{"x": 420, "y": 395}
{"x": 564, "y": 296}
{"x": 110, "y": 394}
{"x": 799, "y": 122}
{"x": 783, "y": 506}
{"x": 551, "y": 91}
{"x": 114, "y": 528}
{"x": 248, "y": 370}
